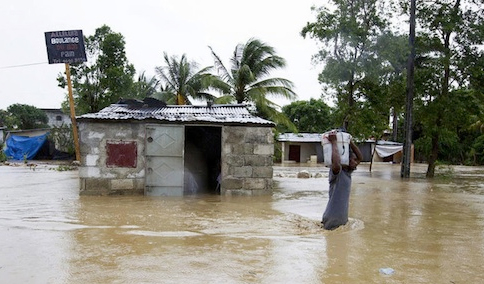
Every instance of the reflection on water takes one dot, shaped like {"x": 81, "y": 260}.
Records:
{"x": 427, "y": 231}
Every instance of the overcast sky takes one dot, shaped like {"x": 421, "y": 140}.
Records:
{"x": 151, "y": 27}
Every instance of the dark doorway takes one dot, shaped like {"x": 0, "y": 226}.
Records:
{"x": 295, "y": 153}
{"x": 202, "y": 159}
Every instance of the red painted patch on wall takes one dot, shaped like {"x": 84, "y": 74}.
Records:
{"x": 122, "y": 154}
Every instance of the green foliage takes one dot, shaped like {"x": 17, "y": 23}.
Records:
{"x": 478, "y": 150}
{"x": 455, "y": 136}
{"x": 63, "y": 139}
{"x": 250, "y": 67}
{"x": 247, "y": 80}
{"x": 5, "y": 119}
{"x": 448, "y": 99}
{"x": 349, "y": 34}
{"x": 313, "y": 116}
{"x": 145, "y": 87}
{"x": 184, "y": 81}
{"x": 3, "y": 157}
{"x": 422, "y": 148}
{"x": 365, "y": 68}
{"x": 106, "y": 77}
{"x": 21, "y": 116}
{"x": 277, "y": 158}
{"x": 388, "y": 83}
{"x": 477, "y": 124}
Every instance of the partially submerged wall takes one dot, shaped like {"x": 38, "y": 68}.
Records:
{"x": 112, "y": 159}
{"x": 247, "y": 155}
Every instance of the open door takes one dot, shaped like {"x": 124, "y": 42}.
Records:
{"x": 202, "y": 159}
{"x": 295, "y": 153}
{"x": 164, "y": 146}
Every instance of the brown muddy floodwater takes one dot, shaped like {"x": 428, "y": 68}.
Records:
{"x": 420, "y": 231}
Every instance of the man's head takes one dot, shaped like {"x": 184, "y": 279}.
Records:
{"x": 353, "y": 162}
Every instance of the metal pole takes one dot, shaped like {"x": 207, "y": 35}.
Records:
{"x": 407, "y": 145}
{"x": 73, "y": 113}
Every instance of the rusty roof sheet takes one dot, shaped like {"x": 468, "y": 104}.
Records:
{"x": 217, "y": 114}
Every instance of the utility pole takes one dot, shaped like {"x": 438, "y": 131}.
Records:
{"x": 407, "y": 145}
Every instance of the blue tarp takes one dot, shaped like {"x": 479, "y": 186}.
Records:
{"x": 18, "y": 146}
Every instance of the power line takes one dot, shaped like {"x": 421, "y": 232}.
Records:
{"x": 23, "y": 65}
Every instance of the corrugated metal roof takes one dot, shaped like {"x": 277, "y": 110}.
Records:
{"x": 219, "y": 114}
{"x": 299, "y": 137}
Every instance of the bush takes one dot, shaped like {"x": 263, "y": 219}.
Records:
{"x": 63, "y": 138}
{"x": 478, "y": 150}
{"x": 3, "y": 157}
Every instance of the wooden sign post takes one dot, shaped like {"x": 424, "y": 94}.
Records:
{"x": 67, "y": 47}
{"x": 73, "y": 113}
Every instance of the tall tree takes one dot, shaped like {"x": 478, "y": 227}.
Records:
{"x": 349, "y": 33}
{"x": 106, "y": 77}
{"x": 184, "y": 80}
{"x": 248, "y": 81}
{"x": 21, "y": 116}
{"x": 392, "y": 50}
{"x": 4, "y": 118}
{"x": 313, "y": 116}
{"x": 450, "y": 31}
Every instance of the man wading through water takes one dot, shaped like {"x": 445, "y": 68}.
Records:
{"x": 336, "y": 213}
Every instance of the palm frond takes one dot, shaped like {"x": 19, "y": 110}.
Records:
{"x": 185, "y": 80}
{"x": 229, "y": 99}
{"x": 220, "y": 67}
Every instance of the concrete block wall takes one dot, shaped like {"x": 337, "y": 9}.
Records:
{"x": 247, "y": 160}
{"x": 98, "y": 179}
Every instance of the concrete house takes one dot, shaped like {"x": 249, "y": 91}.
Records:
{"x": 301, "y": 147}
{"x": 307, "y": 148}
{"x": 56, "y": 117}
{"x": 168, "y": 150}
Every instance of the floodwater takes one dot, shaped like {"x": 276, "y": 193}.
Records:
{"x": 400, "y": 231}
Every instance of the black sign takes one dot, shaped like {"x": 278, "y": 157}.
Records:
{"x": 65, "y": 47}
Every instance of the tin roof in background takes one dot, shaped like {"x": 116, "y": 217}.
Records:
{"x": 217, "y": 114}
{"x": 299, "y": 137}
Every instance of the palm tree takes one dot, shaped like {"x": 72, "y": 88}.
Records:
{"x": 145, "y": 87}
{"x": 182, "y": 81}
{"x": 248, "y": 82}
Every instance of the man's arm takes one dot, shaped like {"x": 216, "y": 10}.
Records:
{"x": 357, "y": 151}
{"x": 335, "y": 158}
